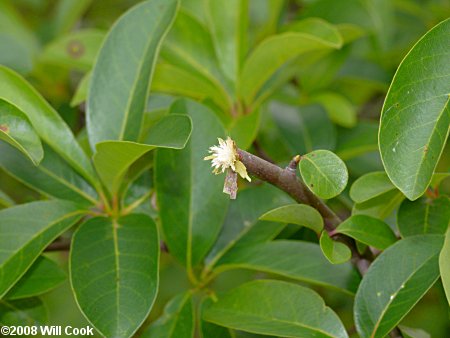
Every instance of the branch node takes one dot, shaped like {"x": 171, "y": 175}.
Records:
{"x": 294, "y": 163}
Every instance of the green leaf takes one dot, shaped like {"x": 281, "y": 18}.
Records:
{"x": 45, "y": 120}
{"x": 82, "y": 90}
{"x": 18, "y": 42}
{"x": 277, "y": 256}
{"x": 188, "y": 56}
{"x": 377, "y": 17}
{"x": 438, "y": 178}
{"x": 177, "y": 321}
{"x": 228, "y": 26}
{"x": 113, "y": 158}
{"x": 409, "y": 332}
{"x": 300, "y": 214}
{"x": 416, "y": 116}
{"x": 340, "y": 110}
{"x": 241, "y": 226}
{"x": 444, "y": 263}
{"x": 243, "y": 130}
{"x": 42, "y": 276}
{"x": 22, "y": 312}
{"x": 26, "y": 230}
{"x": 272, "y": 53}
{"x": 336, "y": 252}
{"x": 368, "y": 230}
{"x": 264, "y": 18}
{"x": 17, "y": 131}
{"x": 114, "y": 272}
{"x": 357, "y": 141}
{"x": 121, "y": 77}
{"x": 424, "y": 216}
{"x": 411, "y": 266}
{"x": 67, "y": 13}
{"x": 381, "y": 206}
{"x": 5, "y": 200}
{"x": 76, "y": 50}
{"x": 276, "y": 308}
{"x": 190, "y": 198}
{"x": 317, "y": 27}
{"x": 324, "y": 173}
{"x": 304, "y": 128}
{"x": 53, "y": 177}
{"x": 171, "y": 79}
{"x": 208, "y": 329}
{"x": 370, "y": 186}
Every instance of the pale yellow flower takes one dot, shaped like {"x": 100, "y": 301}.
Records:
{"x": 224, "y": 156}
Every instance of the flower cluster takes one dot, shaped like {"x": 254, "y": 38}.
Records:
{"x": 224, "y": 156}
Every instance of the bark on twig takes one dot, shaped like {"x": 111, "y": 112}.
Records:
{"x": 287, "y": 180}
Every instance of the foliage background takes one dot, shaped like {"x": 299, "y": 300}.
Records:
{"x": 354, "y": 78}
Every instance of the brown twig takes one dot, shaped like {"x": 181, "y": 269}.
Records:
{"x": 287, "y": 180}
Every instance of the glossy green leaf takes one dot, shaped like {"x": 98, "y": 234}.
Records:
{"x": 76, "y": 50}
{"x": 158, "y": 107}
{"x": 370, "y": 186}
{"x": 424, "y": 216}
{"x": 276, "y": 257}
{"x": 336, "y": 252}
{"x": 300, "y": 214}
{"x": 45, "y": 120}
{"x": 22, "y": 312}
{"x": 113, "y": 158}
{"x": 53, "y": 177}
{"x": 339, "y": 109}
{"x": 324, "y": 173}
{"x": 81, "y": 91}
{"x": 41, "y": 277}
{"x": 114, "y": 272}
{"x": 272, "y": 53}
{"x": 276, "y": 308}
{"x": 26, "y": 230}
{"x": 121, "y": 77}
{"x": 241, "y": 226}
{"x": 395, "y": 282}
{"x": 416, "y": 115}
{"x": 228, "y": 26}
{"x": 444, "y": 264}
{"x": 17, "y": 131}
{"x": 193, "y": 209}
{"x": 368, "y": 230}
{"x": 381, "y": 206}
{"x": 177, "y": 321}
{"x": 303, "y": 129}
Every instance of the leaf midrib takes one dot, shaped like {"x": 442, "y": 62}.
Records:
{"x": 142, "y": 62}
